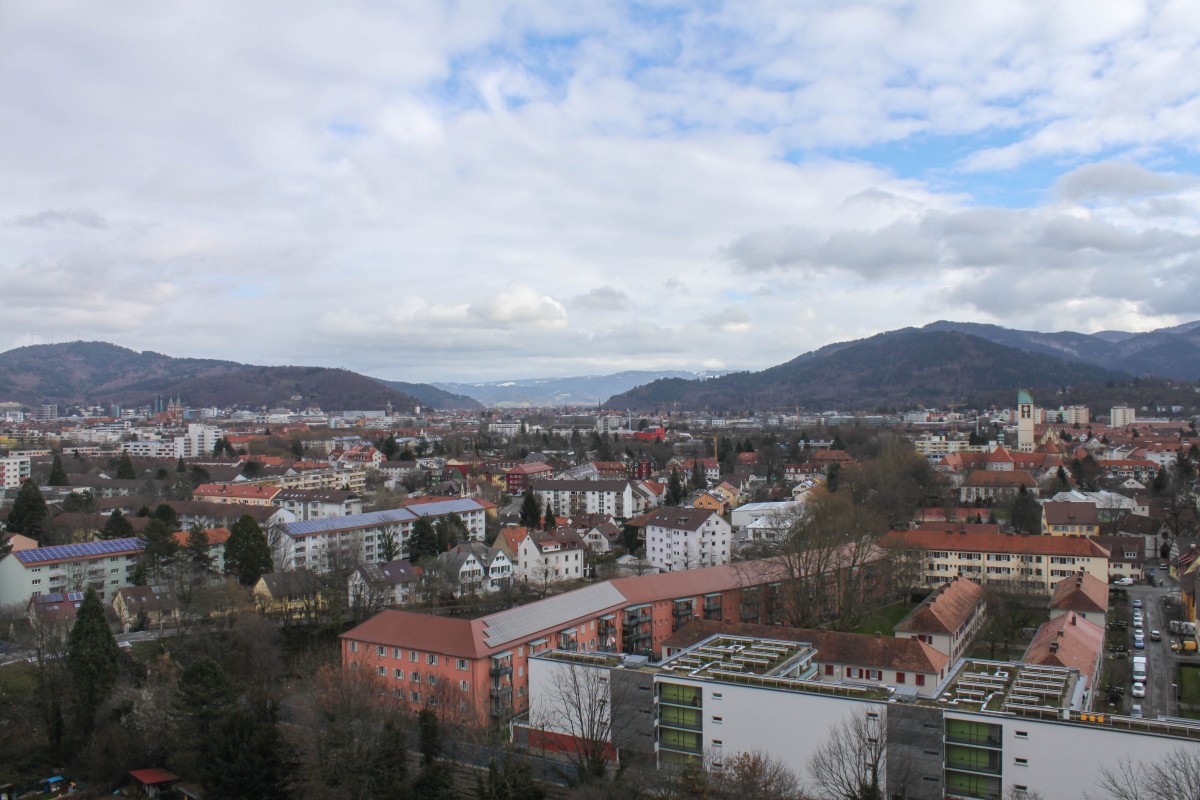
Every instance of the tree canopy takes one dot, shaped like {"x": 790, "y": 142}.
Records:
{"x": 29, "y": 514}
{"x": 91, "y": 659}
{"x": 247, "y": 551}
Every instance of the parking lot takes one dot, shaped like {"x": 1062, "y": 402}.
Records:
{"x": 1160, "y": 699}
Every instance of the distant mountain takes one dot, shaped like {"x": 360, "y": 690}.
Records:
{"x": 899, "y": 369}
{"x": 583, "y": 390}
{"x": 434, "y": 397}
{"x": 102, "y": 373}
{"x": 1165, "y": 353}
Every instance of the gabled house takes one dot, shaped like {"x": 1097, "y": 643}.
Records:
{"x": 1083, "y": 595}
{"x": 948, "y": 619}
{"x": 546, "y": 557}
{"x": 296, "y": 593}
{"x": 379, "y": 585}
{"x": 685, "y": 538}
{"x": 1070, "y": 519}
{"x": 471, "y": 568}
{"x": 148, "y": 606}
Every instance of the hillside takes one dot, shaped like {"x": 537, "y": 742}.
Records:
{"x": 1165, "y": 353}
{"x": 101, "y": 373}
{"x": 433, "y": 396}
{"x": 581, "y": 390}
{"x": 899, "y": 369}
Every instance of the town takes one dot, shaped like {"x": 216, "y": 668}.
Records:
{"x": 525, "y": 603}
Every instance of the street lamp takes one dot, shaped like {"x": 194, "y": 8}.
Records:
{"x": 1175, "y": 693}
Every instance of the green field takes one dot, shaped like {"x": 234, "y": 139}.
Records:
{"x": 884, "y": 619}
{"x": 1189, "y": 690}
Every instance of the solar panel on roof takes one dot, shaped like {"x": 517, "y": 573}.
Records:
{"x": 60, "y": 552}
{"x": 369, "y": 519}
{"x": 515, "y": 623}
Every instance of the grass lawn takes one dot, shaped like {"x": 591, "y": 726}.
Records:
{"x": 886, "y": 618}
{"x": 18, "y": 679}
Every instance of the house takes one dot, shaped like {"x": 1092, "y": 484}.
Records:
{"x": 296, "y": 593}
{"x": 1069, "y": 640}
{"x": 471, "y": 568}
{"x": 216, "y": 546}
{"x": 250, "y": 494}
{"x": 1082, "y": 595}
{"x": 546, "y": 557}
{"x": 146, "y": 607}
{"x": 602, "y": 538}
{"x": 380, "y": 585}
{"x": 981, "y": 552}
{"x": 948, "y": 619}
{"x": 520, "y": 477}
{"x": 684, "y": 538}
{"x": 710, "y": 500}
{"x": 1070, "y": 519}
{"x": 509, "y": 542}
{"x": 1127, "y": 555}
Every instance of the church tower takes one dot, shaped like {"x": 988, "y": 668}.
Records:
{"x": 1024, "y": 421}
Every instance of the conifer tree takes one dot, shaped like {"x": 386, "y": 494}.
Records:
{"x": 159, "y": 551}
{"x": 125, "y": 468}
{"x": 424, "y": 541}
{"x": 549, "y": 522}
{"x": 117, "y": 527}
{"x": 28, "y": 515}
{"x": 91, "y": 660}
{"x": 531, "y": 510}
{"x": 196, "y": 548}
{"x": 247, "y": 551}
{"x": 58, "y": 475}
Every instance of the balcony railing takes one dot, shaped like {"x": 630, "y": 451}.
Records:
{"x": 500, "y": 669}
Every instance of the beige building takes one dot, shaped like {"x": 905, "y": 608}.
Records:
{"x": 980, "y": 552}
{"x": 1122, "y": 417}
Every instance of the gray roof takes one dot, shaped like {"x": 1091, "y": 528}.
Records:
{"x": 370, "y": 519}
{"x": 458, "y": 505}
{"x": 453, "y": 559}
{"x": 515, "y": 623}
{"x": 391, "y": 573}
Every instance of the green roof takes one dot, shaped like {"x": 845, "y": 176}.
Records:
{"x": 1024, "y": 396}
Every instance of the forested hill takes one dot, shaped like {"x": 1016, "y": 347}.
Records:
{"x": 899, "y": 369}
{"x": 101, "y": 373}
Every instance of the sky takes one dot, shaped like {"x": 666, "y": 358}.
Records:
{"x": 460, "y": 191}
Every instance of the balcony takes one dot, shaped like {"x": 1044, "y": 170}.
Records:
{"x": 500, "y": 669}
{"x": 501, "y": 693}
{"x": 685, "y": 719}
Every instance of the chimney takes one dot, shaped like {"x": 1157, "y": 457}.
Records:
{"x": 1060, "y": 635}
{"x": 1054, "y": 647}
{"x": 1073, "y": 620}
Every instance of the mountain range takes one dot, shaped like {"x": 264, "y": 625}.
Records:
{"x": 100, "y": 373}
{"x": 941, "y": 363}
{"x": 582, "y": 390}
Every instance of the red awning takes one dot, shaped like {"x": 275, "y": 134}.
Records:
{"x": 153, "y": 777}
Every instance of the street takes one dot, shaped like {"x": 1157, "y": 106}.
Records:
{"x": 1160, "y": 661}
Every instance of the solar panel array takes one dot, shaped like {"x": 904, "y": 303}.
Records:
{"x": 460, "y": 505}
{"x": 70, "y": 552}
{"x": 517, "y": 623}
{"x": 370, "y": 519}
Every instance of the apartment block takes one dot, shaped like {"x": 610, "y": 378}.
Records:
{"x": 106, "y": 565}
{"x": 686, "y": 538}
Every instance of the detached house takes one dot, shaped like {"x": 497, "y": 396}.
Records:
{"x": 1083, "y": 595}
{"x": 380, "y": 585}
{"x": 471, "y": 567}
{"x": 948, "y": 619}
{"x": 549, "y": 556}
{"x": 1070, "y": 519}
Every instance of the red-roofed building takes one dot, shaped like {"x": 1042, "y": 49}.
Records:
{"x": 1071, "y": 641}
{"x": 216, "y": 545}
{"x": 992, "y": 484}
{"x": 982, "y": 553}
{"x": 948, "y": 619}
{"x": 250, "y": 494}
{"x": 521, "y": 477}
{"x": 1081, "y": 594}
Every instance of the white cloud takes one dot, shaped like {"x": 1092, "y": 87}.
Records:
{"x": 426, "y": 190}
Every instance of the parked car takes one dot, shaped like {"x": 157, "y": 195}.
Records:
{"x": 1139, "y": 689}
{"x": 1139, "y": 642}
{"x": 1137, "y": 602}
{"x": 1135, "y": 711}
{"x": 1123, "y": 582}
{"x": 1164, "y": 566}
{"x": 1155, "y": 636}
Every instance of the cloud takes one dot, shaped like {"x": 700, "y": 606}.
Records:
{"x": 519, "y": 306}
{"x": 1117, "y": 179}
{"x": 51, "y": 218}
{"x": 604, "y": 298}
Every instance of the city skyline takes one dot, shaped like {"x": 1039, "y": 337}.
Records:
{"x": 435, "y": 194}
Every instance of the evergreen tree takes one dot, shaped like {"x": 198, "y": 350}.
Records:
{"x": 549, "y": 522}
{"x": 91, "y": 660}
{"x": 1025, "y": 514}
{"x": 206, "y": 693}
{"x": 247, "y": 552}
{"x": 117, "y": 526}
{"x": 58, "y": 475}
{"x": 28, "y": 515}
{"x": 167, "y": 516}
{"x": 246, "y": 757}
{"x": 159, "y": 551}
{"x": 387, "y": 764}
{"x": 675, "y": 492}
{"x": 698, "y": 479}
{"x": 531, "y": 510}
{"x": 424, "y": 540}
{"x": 450, "y": 531}
{"x": 180, "y": 467}
{"x": 430, "y": 735}
{"x": 509, "y": 780}
{"x": 125, "y": 468}
{"x": 833, "y": 476}
{"x": 196, "y": 550}
{"x": 389, "y": 447}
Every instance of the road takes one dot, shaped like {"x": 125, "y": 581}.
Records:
{"x": 12, "y": 652}
{"x": 1160, "y": 661}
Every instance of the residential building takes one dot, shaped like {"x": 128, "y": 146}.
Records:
{"x": 216, "y": 546}
{"x": 546, "y": 557}
{"x": 199, "y": 441}
{"x": 1082, "y": 595}
{"x": 1121, "y": 417}
{"x": 14, "y": 470}
{"x": 248, "y": 494}
{"x": 684, "y": 538}
{"x": 1070, "y": 640}
{"x": 295, "y": 593}
{"x": 379, "y": 585}
{"x": 106, "y": 565}
{"x": 318, "y": 503}
{"x": 520, "y": 477}
{"x": 948, "y": 619}
{"x": 939, "y": 552}
{"x": 147, "y": 606}
{"x": 570, "y": 498}
{"x": 996, "y": 484}
{"x": 471, "y": 568}
{"x": 1126, "y": 554}
{"x": 1070, "y": 519}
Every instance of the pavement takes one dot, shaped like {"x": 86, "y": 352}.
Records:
{"x": 1160, "y": 697}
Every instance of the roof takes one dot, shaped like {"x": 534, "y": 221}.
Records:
{"x": 957, "y": 538}
{"x": 455, "y": 557}
{"x": 690, "y": 519}
{"x": 694, "y": 582}
{"x": 857, "y": 649}
{"x": 1000, "y": 478}
{"x": 947, "y": 610}
{"x": 580, "y": 486}
{"x": 1068, "y": 513}
{"x": 152, "y": 597}
{"x": 215, "y": 536}
{"x": 151, "y": 777}
{"x": 552, "y": 613}
{"x": 390, "y": 573}
{"x": 239, "y": 490}
{"x": 448, "y": 635}
{"x": 436, "y": 507}
{"x": 1067, "y": 641}
{"x": 370, "y": 519}
{"x": 72, "y": 552}
{"x": 298, "y": 581}
{"x": 1082, "y": 592}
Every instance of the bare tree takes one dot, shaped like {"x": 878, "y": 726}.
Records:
{"x": 754, "y": 776}
{"x": 1176, "y": 776}
{"x": 585, "y": 714}
{"x": 849, "y": 766}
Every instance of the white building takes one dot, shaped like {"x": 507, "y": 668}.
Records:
{"x": 1122, "y": 417}
{"x": 572, "y": 498}
{"x": 107, "y": 565}
{"x": 317, "y": 504}
{"x": 471, "y": 568}
{"x": 14, "y": 470}
{"x": 546, "y": 557}
{"x": 685, "y": 538}
{"x": 198, "y": 441}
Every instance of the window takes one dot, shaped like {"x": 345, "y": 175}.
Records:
{"x": 415, "y": 677}
{"x": 717, "y": 720}
{"x": 396, "y": 653}
{"x": 353, "y": 665}
{"x": 464, "y": 686}
{"x": 414, "y": 697}
{"x": 398, "y": 674}
{"x": 413, "y": 656}
{"x": 920, "y": 680}
{"x": 829, "y": 669}
{"x": 1022, "y": 762}
{"x": 381, "y": 671}
{"x": 461, "y": 664}
{"x": 431, "y": 680}
{"x": 715, "y": 695}
{"x": 354, "y": 647}
{"x": 899, "y": 677}
{"x": 431, "y": 660}
{"x": 1022, "y": 734}
{"x": 380, "y": 650}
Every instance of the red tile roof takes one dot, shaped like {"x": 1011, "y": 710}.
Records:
{"x": 215, "y": 536}
{"x": 1082, "y": 592}
{"x": 1067, "y": 641}
{"x": 446, "y": 635}
{"x": 947, "y": 610}
{"x": 995, "y": 543}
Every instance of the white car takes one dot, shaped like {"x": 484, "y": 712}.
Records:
{"x": 1135, "y": 711}
{"x": 1123, "y": 582}
{"x": 1139, "y": 689}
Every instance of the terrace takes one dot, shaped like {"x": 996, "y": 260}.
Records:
{"x": 1002, "y": 686}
